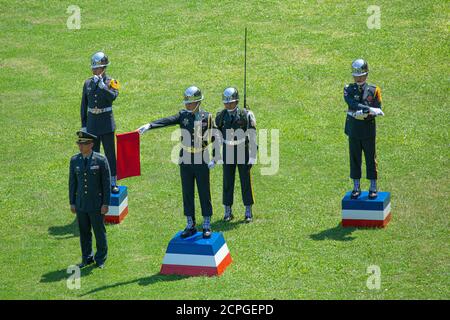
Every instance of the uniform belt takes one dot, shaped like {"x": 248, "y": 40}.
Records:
{"x": 99, "y": 110}
{"x": 193, "y": 149}
{"x": 233, "y": 142}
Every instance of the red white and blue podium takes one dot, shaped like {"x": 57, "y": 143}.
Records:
{"x": 195, "y": 256}
{"x": 365, "y": 212}
{"x": 118, "y": 207}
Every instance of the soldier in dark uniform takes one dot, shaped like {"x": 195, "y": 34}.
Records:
{"x": 99, "y": 92}
{"x": 196, "y": 129}
{"x": 89, "y": 195}
{"x": 364, "y": 104}
{"x": 238, "y": 132}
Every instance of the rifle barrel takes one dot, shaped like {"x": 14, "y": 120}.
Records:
{"x": 245, "y": 69}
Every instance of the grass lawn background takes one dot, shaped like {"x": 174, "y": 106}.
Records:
{"x": 299, "y": 53}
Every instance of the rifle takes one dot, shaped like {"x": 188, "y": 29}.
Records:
{"x": 245, "y": 70}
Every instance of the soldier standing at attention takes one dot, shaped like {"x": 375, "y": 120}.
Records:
{"x": 99, "y": 92}
{"x": 239, "y": 149}
{"x": 89, "y": 195}
{"x": 194, "y": 157}
{"x": 364, "y": 104}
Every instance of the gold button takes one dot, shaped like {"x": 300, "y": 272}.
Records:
{"x": 85, "y": 192}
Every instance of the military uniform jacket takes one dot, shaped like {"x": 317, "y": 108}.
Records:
{"x": 89, "y": 186}
{"x": 96, "y": 98}
{"x": 238, "y": 119}
{"x": 192, "y": 123}
{"x": 359, "y": 98}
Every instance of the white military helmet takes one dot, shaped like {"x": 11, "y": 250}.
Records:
{"x": 230, "y": 94}
{"x": 360, "y": 68}
{"x": 99, "y": 59}
{"x": 192, "y": 94}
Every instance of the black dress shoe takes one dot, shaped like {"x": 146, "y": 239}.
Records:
{"x": 228, "y": 218}
{"x": 188, "y": 232}
{"x": 85, "y": 263}
{"x": 248, "y": 219}
{"x": 207, "y": 233}
{"x": 355, "y": 193}
{"x": 115, "y": 189}
{"x": 372, "y": 194}
{"x": 101, "y": 265}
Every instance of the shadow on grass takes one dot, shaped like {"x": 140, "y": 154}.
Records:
{"x": 226, "y": 226}
{"x": 62, "y": 274}
{"x": 337, "y": 233}
{"x": 65, "y": 232}
{"x": 141, "y": 281}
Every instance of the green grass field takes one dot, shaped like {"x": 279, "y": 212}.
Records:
{"x": 299, "y": 55}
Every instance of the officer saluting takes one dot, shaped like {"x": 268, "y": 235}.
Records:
{"x": 364, "y": 104}
{"x": 194, "y": 157}
{"x": 99, "y": 92}
{"x": 237, "y": 126}
{"x": 89, "y": 195}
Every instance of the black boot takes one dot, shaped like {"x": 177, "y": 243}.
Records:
{"x": 373, "y": 194}
{"x": 355, "y": 193}
{"x": 207, "y": 233}
{"x": 85, "y": 263}
{"x": 188, "y": 232}
{"x": 115, "y": 189}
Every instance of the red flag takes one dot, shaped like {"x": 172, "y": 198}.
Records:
{"x": 128, "y": 155}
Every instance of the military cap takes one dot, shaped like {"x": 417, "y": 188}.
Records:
{"x": 85, "y": 137}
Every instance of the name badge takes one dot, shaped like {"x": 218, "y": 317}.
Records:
{"x": 95, "y": 167}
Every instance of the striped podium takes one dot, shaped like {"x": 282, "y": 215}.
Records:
{"x": 118, "y": 206}
{"x": 365, "y": 212}
{"x": 195, "y": 256}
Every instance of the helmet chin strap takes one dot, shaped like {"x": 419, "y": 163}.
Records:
{"x": 232, "y": 109}
{"x": 195, "y": 109}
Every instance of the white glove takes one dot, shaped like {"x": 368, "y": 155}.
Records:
{"x": 376, "y": 112}
{"x": 211, "y": 164}
{"x": 360, "y": 115}
{"x": 144, "y": 128}
{"x": 101, "y": 84}
{"x": 83, "y": 129}
{"x": 95, "y": 78}
{"x": 251, "y": 161}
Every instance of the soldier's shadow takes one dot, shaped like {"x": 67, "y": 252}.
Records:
{"x": 157, "y": 277}
{"x": 62, "y": 274}
{"x": 226, "y": 226}
{"x": 337, "y": 233}
{"x": 65, "y": 232}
